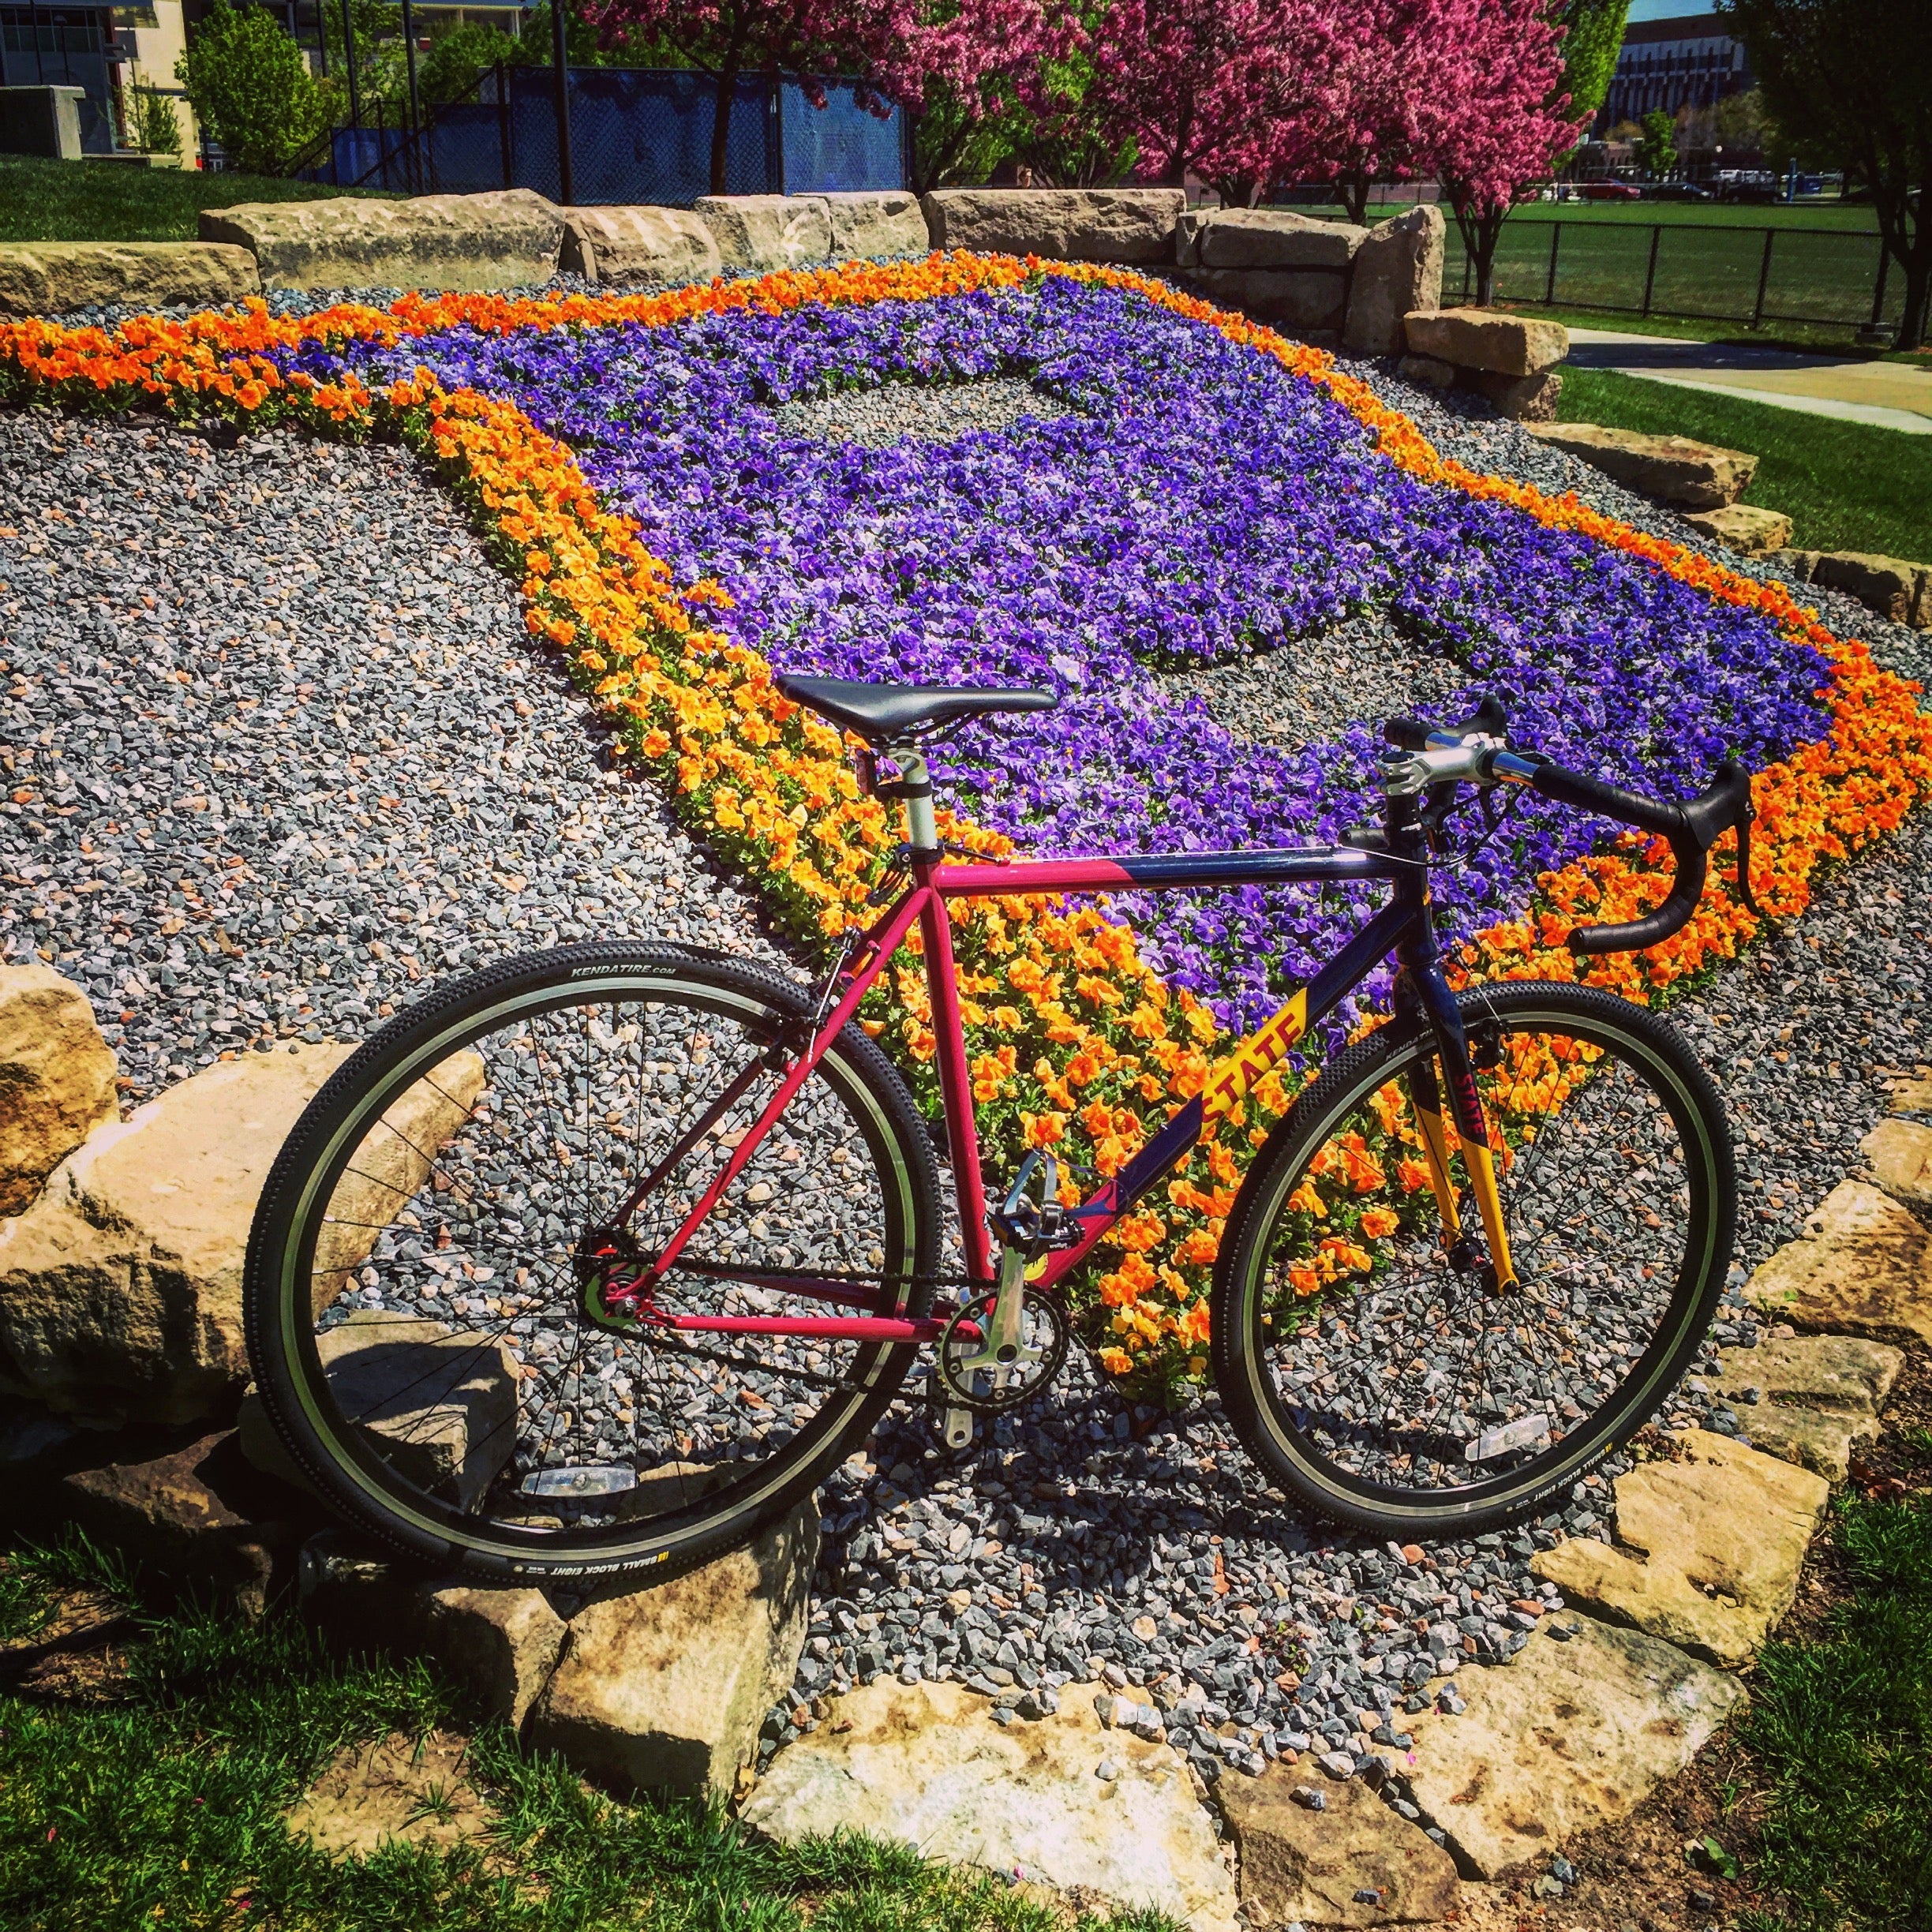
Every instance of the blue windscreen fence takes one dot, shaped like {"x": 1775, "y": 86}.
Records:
{"x": 637, "y": 134}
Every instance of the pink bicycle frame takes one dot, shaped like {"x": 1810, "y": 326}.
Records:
{"x": 923, "y": 904}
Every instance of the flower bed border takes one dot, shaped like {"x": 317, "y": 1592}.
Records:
{"x": 1071, "y": 1036}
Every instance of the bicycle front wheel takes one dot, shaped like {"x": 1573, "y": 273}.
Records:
{"x": 428, "y": 1275}
{"x": 1371, "y": 1367}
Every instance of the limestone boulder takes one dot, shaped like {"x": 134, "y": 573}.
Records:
{"x": 1277, "y": 238}
{"x": 120, "y": 1287}
{"x": 887, "y": 223}
{"x": 1188, "y": 228}
{"x": 1912, "y": 1096}
{"x": 1824, "y": 1443}
{"x": 1832, "y": 1374}
{"x": 1398, "y": 273}
{"x": 1353, "y": 1862}
{"x": 1900, "y": 1154}
{"x": 1522, "y": 399}
{"x": 757, "y": 234}
{"x": 57, "y": 1079}
{"x": 1709, "y": 1548}
{"x": 1059, "y": 1801}
{"x": 1061, "y": 224}
{"x": 638, "y": 245}
{"x": 1563, "y": 1738}
{"x": 1744, "y": 528}
{"x": 1897, "y": 590}
{"x": 503, "y": 239}
{"x": 664, "y": 1688}
{"x": 502, "y": 1643}
{"x": 1801, "y": 563}
{"x": 53, "y": 278}
{"x": 439, "y": 1406}
{"x": 1864, "y": 1268}
{"x": 1486, "y": 338}
{"x": 1306, "y": 303}
{"x": 1673, "y": 470}
{"x": 1427, "y": 371}
{"x": 199, "y": 1512}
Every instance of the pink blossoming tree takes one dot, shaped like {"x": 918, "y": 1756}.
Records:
{"x": 1496, "y": 118}
{"x": 1213, "y": 86}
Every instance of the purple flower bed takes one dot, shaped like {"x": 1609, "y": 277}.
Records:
{"x": 1201, "y": 503}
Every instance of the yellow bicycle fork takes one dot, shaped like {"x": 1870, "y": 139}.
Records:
{"x": 1480, "y": 1168}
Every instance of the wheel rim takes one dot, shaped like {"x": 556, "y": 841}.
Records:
{"x": 1377, "y": 1385}
{"x": 475, "y": 1167}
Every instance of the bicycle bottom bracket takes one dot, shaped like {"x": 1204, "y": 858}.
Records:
{"x": 976, "y": 1373}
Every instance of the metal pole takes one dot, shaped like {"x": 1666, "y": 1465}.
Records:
{"x": 39, "y": 61}
{"x": 415, "y": 98}
{"x": 1657, "y": 235}
{"x": 1879, "y": 289}
{"x": 1764, "y": 279}
{"x": 321, "y": 39}
{"x": 349, "y": 62}
{"x": 1549, "y": 290}
{"x": 566, "y": 174}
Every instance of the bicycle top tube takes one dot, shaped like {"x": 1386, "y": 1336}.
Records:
{"x": 1264, "y": 866}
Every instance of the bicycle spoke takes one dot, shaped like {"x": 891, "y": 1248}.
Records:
{"x": 524, "y": 1403}
{"x": 1422, "y": 1380}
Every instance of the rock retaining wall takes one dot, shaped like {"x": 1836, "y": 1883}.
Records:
{"x": 1510, "y": 359}
{"x": 1348, "y": 286}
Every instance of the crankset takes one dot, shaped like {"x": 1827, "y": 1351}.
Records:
{"x": 978, "y": 1369}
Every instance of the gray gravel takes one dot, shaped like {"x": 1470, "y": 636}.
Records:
{"x": 289, "y": 747}
{"x": 877, "y": 417}
{"x": 304, "y": 741}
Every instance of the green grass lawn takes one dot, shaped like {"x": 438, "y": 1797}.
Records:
{"x": 1840, "y": 1735}
{"x": 158, "y": 1801}
{"x": 1797, "y": 336}
{"x": 1845, "y": 486}
{"x": 106, "y": 201}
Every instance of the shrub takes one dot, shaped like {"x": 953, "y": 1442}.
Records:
{"x": 251, "y": 85}
{"x": 157, "y": 127}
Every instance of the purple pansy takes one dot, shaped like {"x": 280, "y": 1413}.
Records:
{"x": 1200, "y": 502}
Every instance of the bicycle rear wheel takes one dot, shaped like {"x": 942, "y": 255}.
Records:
{"x": 426, "y": 1274}
{"x": 1393, "y": 1392}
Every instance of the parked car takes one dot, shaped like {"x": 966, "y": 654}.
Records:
{"x": 1743, "y": 185}
{"x": 1610, "y": 191}
{"x": 1679, "y": 191}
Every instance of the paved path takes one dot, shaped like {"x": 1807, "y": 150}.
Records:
{"x": 1891, "y": 395}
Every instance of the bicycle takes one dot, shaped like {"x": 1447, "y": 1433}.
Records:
{"x": 686, "y": 1217}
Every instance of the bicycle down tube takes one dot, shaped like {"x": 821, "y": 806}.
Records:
{"x": 1402, "y": 927}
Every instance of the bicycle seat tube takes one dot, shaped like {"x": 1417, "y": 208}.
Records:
{"x": 1421, "y": 987}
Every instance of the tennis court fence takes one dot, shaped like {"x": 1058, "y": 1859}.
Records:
{"x": 638, "y": 135}
{"x": 1822, "y": 277}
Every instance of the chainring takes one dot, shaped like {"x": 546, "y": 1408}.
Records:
{"x": 995, "y": 1388}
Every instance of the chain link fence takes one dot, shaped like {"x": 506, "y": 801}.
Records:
{"x": 1827, "y": 277}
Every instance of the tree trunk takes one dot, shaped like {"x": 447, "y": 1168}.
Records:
{"x": 730, "y": 64}
{"x": 1175, "y": 175}
{"x": 720, "y": 122}
{"x": 1355, "y": 186}
{"x": 1913, "y": 320}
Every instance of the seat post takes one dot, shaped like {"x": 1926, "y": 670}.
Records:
{"x": 914, "y": 785}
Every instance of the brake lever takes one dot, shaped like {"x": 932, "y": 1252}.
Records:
{"x": 1743, "y": 870}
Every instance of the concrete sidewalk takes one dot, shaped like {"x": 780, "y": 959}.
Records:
{"x": 1891, "y": 395}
